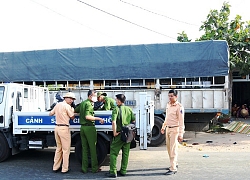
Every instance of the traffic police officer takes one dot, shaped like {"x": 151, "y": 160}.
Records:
{"x": 127, "y": 117}
{"x": 63, "y": 112}
{"x": 174, "y": 125}
{"x": 109, "y": 103}
{"x": 88, "y": 131}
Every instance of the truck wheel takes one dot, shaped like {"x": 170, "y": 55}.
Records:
{"x": 4, "y": 148}
{"x": 101, "y": 151}
{"x": 157, "y": 137}
{"x": 78, "y": 151}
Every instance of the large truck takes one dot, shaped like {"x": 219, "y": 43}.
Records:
{"x": 198, "y": 70}
{"x": 25, "y": 122}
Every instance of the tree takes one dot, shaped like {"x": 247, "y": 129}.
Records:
{"x": 237, "y": 34}
{"x": 183, "y": 37}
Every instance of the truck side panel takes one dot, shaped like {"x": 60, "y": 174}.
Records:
{"x": 193, "y": 100}
{"x": 25, "y": 122}
{"x": 208, "y": 99}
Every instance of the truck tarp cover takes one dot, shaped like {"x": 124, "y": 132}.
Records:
{"x": 149, "y": 61}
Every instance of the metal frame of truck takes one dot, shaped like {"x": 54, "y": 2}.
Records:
{"x": 202, "y": 97}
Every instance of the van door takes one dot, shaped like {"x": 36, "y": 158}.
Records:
{"x": 2, "y": 105}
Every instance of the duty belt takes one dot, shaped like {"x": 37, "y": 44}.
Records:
{"x": 62, "y": 125}
{"x": 87, "y": 124}
{"x": 172, "y": 126}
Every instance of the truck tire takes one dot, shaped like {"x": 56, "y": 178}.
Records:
{"x": 157, "y": 137}
{"x": 4, "y": 148}
{"x": 101, "y": 151}
{"x": 78, "y": 151}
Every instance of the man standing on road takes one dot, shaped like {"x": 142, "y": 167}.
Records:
{"x": 174, "y": 126}
{"x": 63, "y": 112}
{"x": 121, "y": 115}
{"x": 88, "y": 131}
{"x": 109, "y": 103}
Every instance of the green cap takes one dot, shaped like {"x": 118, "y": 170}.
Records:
{"x": 101, "y": 94}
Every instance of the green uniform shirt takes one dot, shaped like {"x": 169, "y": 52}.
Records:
{"x": 127, "y": 116}
{"x": 109, "y": 104}
{"x": 85, "y": 108}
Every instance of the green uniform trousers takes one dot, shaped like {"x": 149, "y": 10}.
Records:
{"x": 115, "y": 147}
{"x": 89, "y": 139}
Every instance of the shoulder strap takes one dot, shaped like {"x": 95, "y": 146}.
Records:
{"x": 120, "y": 115}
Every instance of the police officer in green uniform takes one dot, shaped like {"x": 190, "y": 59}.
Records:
{"x": 127, "y": 117}
{"x": 109, "y": 103}
{"x": 88, "y": 131}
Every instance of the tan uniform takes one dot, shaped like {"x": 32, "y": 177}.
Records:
{"x": 174, "y": 124}
{"x": 63, "y": 112}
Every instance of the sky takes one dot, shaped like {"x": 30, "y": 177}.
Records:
{"x": 54, "y": 24}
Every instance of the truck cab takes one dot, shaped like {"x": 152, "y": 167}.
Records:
{"x": 16, "y": 98}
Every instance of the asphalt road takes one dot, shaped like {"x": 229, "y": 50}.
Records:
{"x": 143, "y": 165}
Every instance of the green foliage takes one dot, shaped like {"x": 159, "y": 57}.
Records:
{"x": 224, "y": 118}
{"x": 218, "y": 128}
{"x": 183, "y": 37}
{"x": 53, "y": 88}
{"x": 237, "y": 34}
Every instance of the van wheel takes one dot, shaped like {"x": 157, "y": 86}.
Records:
{"x": 4, "y": 148}
{"x": 157, "y": 137}
{"x": 101, "y": 151}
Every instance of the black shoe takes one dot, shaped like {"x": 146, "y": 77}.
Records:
{"x": 169, "y": 168}
{"x": 120, "y": 174}
{"x": 171, "y": 172}
{"x": 55, "y": 171}
{"x": 110, "y": 175}
{"x": 67, "y": 171}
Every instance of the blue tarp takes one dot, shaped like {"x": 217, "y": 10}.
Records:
{"x": 147, "y": 61}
